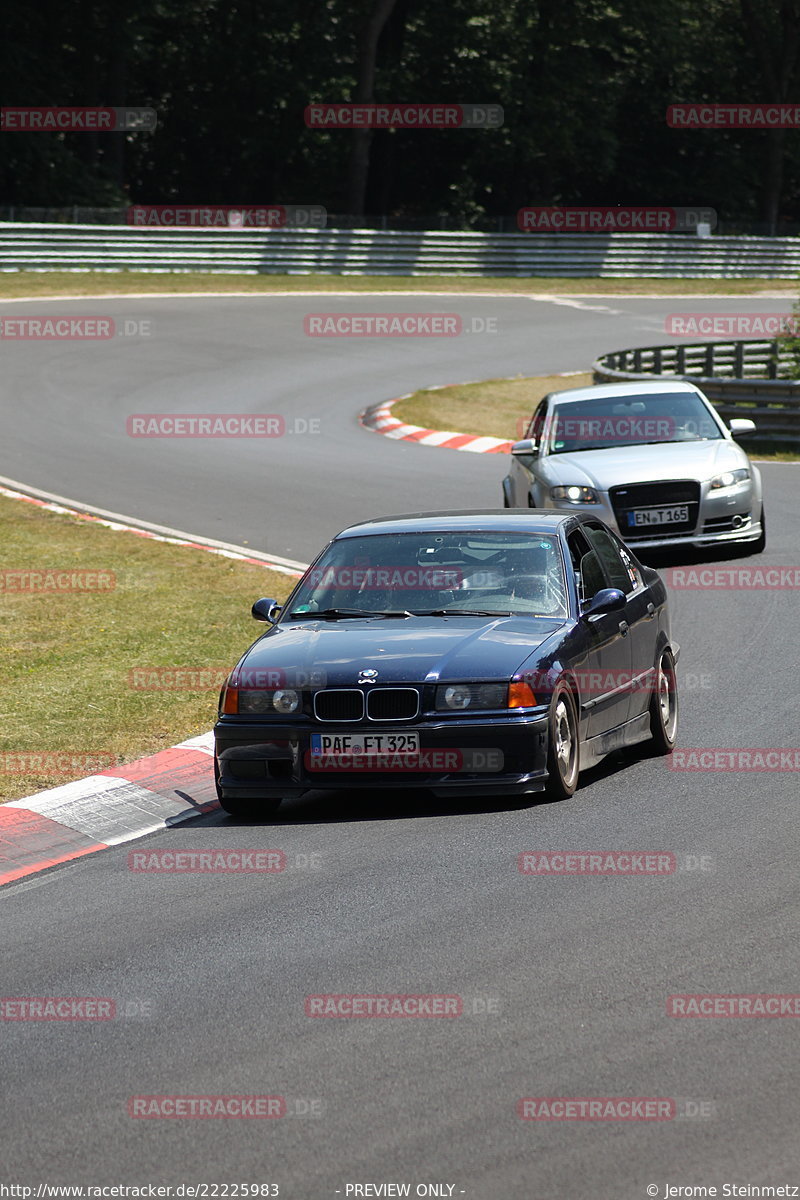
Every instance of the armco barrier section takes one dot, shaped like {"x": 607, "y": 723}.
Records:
{"x": 774, "y": 404}
{"x": 49, "y": 247}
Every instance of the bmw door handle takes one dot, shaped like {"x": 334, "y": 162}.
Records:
{"x": 651, "y": 610}
{"x": 623, "y": 628}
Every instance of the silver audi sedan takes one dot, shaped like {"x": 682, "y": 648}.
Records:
{"x": 653, "y": 460}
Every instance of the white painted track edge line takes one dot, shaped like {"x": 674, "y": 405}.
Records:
{"x": 150, "y": 526}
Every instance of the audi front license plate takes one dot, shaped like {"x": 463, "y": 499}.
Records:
{"x": 331, "y": 745}
{"x": 658, "y": 516}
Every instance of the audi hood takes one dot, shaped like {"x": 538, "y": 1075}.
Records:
{"x": 604, "y": 469}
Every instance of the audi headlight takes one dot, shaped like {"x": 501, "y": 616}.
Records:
{"x": 574, "y": 494}
{"x": 729, "y": 479}
{"x": 462, "y": 696}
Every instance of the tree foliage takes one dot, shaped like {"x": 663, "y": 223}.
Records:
{"x": 584, "y": 84}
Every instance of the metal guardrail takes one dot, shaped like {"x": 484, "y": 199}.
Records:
{"x": 739, "y": 378}
{"x": 48, "y": 247}
{"x": 78, "y": 214}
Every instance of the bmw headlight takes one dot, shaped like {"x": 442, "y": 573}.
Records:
{"x": 729, "y": 479}
{"x": 461, "y": 696}
{"x": 574, "y": 494}
{"x": 283, "y": 700}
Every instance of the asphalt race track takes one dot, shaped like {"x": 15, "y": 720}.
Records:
{"x": 564, "y": 980}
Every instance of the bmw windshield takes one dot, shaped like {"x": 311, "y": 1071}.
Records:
{"x": 436, "y": 574}
{"x": 608, "y": 421}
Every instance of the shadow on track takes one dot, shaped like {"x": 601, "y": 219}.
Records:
{"x": 339, "y": 807}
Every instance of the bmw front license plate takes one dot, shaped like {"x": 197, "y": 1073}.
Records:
{"x": 331, "y": 745}
{"x": 658, "y": 516}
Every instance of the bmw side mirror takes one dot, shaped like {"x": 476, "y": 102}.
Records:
{"x": 266, "y": 610}
{"x": 605, "y": 601}
{"x": 524, "y": 449}
{"x": 742, "y": 426}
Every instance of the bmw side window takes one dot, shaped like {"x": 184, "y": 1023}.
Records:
{"x": 609, "y": 555}
{"x": 630, "y": 567}
{"x": 585, "y": 567}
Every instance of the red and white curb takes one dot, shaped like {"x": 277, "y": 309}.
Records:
{"x": 379, "y": 419}
{"x": 127, "y": 802}
{"x": 117, "y": 805}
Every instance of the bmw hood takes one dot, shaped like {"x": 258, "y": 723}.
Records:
{"x": 327, "y": 653}
{"x": 603, "y": 469}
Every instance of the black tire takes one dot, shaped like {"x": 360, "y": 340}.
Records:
{"x": 247, "y": 809}
{"x": 250, "y": 809}
{"x": 664, "y": 706}
{"x": 759, "y": 546}
{"x": 563, "y": 745}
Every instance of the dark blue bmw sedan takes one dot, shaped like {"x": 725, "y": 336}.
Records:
{"x": 466, "y": 653}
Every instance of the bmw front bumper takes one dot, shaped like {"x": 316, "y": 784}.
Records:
{"x": 491, "y": 755}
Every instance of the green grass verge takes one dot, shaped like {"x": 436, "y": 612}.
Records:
{"x": 15, "y": 284}
{"x": 502, "y": 408}
{"x": 492, "y": 408}
{"x": 65, "y": 686}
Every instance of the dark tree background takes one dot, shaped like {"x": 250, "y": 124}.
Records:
{"x": 585, "y": 85}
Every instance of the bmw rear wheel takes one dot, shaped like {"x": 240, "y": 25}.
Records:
{"x": 563, "y": 747}
{"x": 664, "y": 706}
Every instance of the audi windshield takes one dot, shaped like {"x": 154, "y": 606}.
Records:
{"x": 643, "y": 420}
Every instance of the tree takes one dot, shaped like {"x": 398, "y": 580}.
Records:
{"x": 365, "y": 94}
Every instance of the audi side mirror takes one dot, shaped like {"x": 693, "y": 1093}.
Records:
{"x": 742, "y": 426}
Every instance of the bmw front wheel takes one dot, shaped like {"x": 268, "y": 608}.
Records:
{"x": 563, "y": 748}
